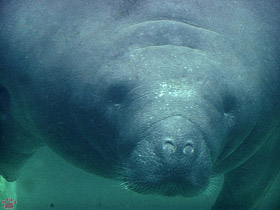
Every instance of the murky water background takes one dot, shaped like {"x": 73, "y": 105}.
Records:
{"x": 49, "y": 183}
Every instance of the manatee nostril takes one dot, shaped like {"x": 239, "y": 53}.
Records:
{"x": 188, "y": 149}
{"x": 169, "y": 147}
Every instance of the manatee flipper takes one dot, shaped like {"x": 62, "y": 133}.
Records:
{"x": 245, "y": 187}
{"x": 13, "y": 144}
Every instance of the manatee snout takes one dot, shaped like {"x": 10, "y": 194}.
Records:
{"x": 172, "y": 159}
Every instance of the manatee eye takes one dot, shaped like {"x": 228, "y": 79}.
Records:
{"x": 229, "y": 103}
{"x": 117, "y": 93}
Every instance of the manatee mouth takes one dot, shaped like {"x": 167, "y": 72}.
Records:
{"x": 172, "y": 159}
{"x": 165, "y": 188}
{"x": 167, "y": 171}
{"x": 151, "y": 175}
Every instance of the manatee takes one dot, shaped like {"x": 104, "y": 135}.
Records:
{"x": 161, "y": 95}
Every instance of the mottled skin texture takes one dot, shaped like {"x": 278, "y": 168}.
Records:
{"x": 162, "y": 95}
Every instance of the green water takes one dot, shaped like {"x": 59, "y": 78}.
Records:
{"x": 49, "y": 183}
{"x": 7, "y": 191}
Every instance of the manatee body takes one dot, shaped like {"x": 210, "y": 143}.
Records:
{"x": 163, "y": 95}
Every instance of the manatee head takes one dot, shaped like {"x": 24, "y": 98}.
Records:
{"x": 166, "y": 132}
{"x": 156, "y": 116}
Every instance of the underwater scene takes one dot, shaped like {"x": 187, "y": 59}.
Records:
{"x": 140, "y": 104}
{"x": 49, "y": 183}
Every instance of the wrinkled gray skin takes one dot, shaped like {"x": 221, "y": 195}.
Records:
{"x": 161, "y": 94}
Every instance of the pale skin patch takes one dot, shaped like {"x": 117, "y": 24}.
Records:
{"x": 174, "y": 89}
